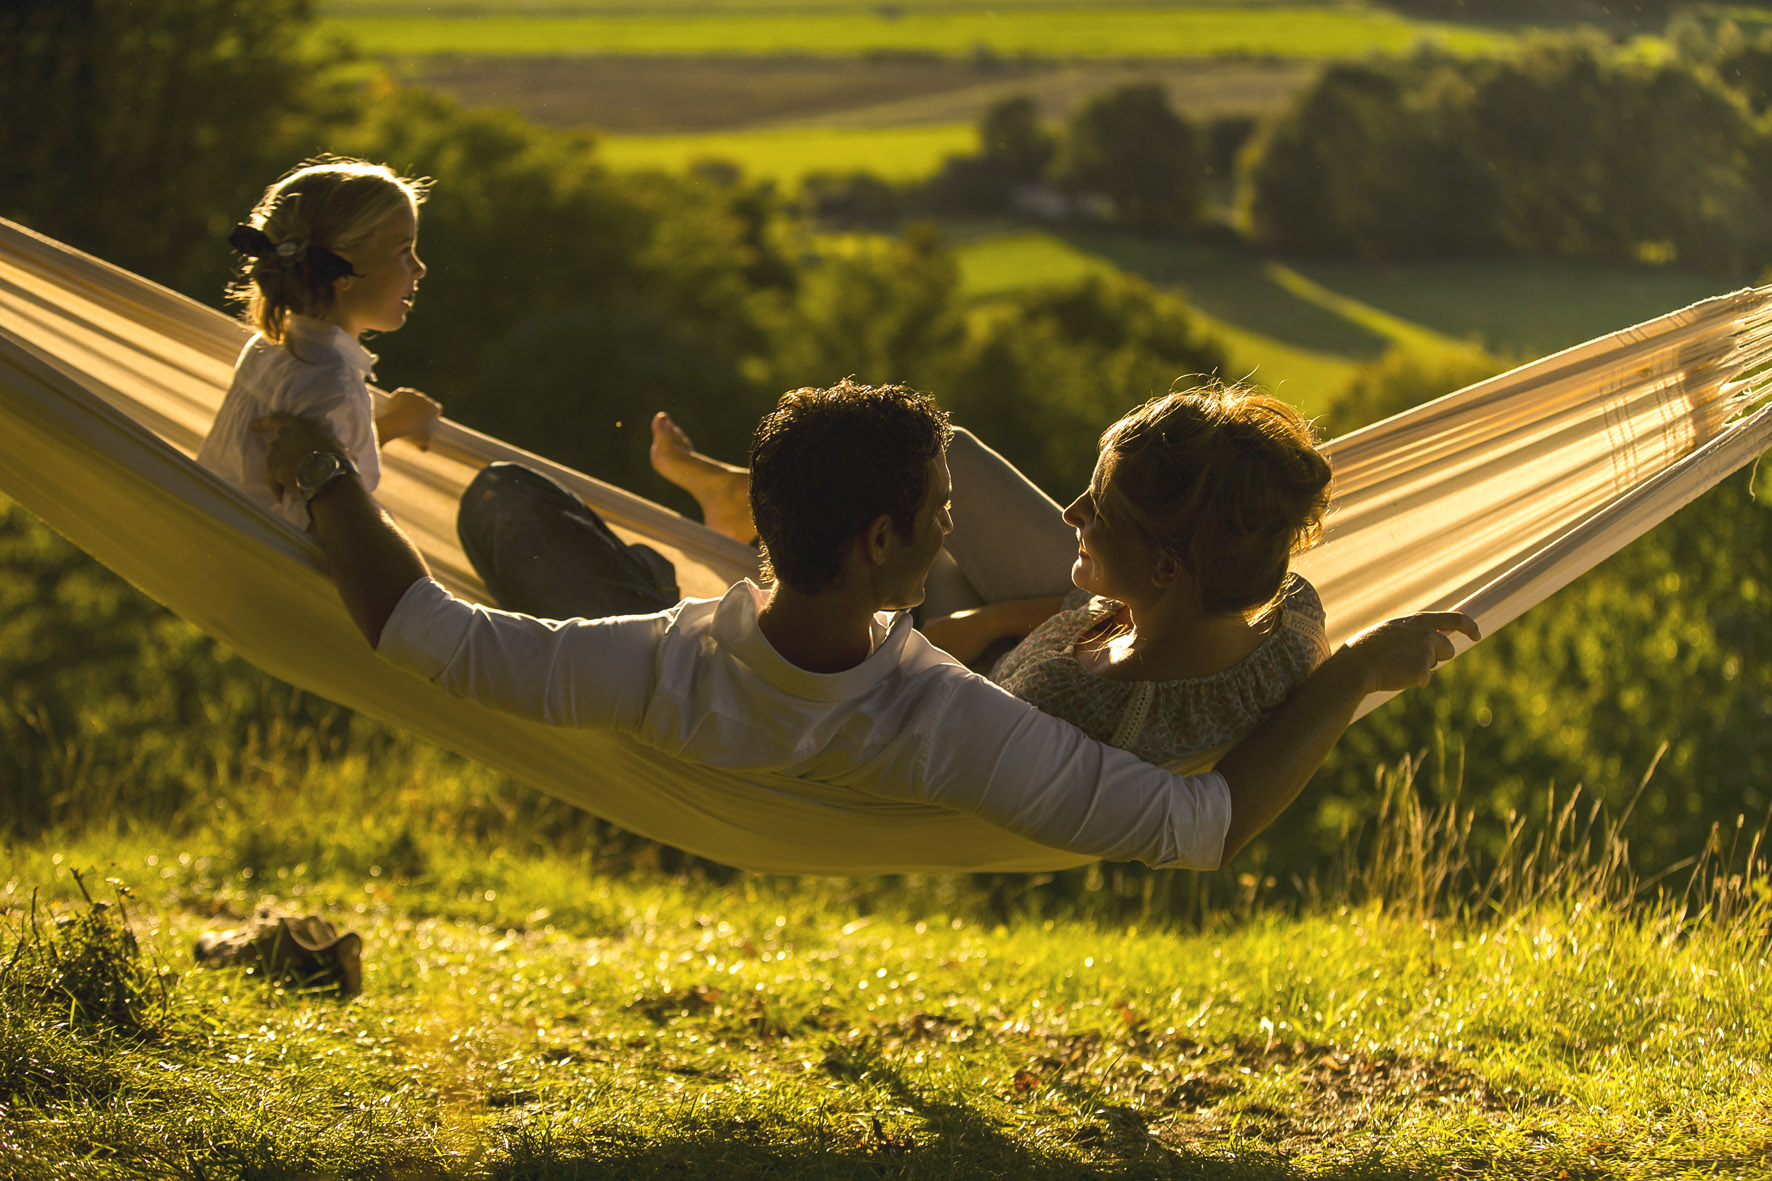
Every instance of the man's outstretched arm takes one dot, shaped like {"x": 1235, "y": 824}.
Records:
{"x": 372, "y": 562}
{"x": 1268, "y": 769}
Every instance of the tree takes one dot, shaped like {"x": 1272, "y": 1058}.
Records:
{"x": 1563, "y": 150}
{"x": 1043, "y": 378}
{"x": 1371, "y": 161}
{"x": 566, "y": 302}
{"x": 1404, "y": 378}
{"x": 882, "y": 309}
{"x": 142, "y": 130}
{"x": 1015, "y": 151}
{"x": 1129, "y": 146}
{"x": 1014, "y": 141}
{"x": 1746, "y": 68}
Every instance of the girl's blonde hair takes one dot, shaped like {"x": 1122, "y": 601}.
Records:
{"x": 1229, "y": 481}
{"x": 335, "y": 203}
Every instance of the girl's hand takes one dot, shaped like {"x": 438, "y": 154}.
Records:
{"x": 1402, "y": 653}
{"x": 410, "y": 415}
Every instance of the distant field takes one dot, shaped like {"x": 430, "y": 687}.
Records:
{"x": 786, "y": 156}
{"x": 657, "y": 94}
{"x": 456, "y": 8}
{"x": 1300, "y": 31}
{"x": 1302, "y": 326}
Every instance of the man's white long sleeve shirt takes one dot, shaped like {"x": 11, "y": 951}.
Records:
{"x": 701, "y": 684}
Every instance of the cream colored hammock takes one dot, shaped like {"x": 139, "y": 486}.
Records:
{"x": 1491, "y": 498}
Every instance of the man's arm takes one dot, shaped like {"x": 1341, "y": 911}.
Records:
{"x": 1268, "y": 769}
{"x": 372, "y": 562}
{"x": 965, "y": 635}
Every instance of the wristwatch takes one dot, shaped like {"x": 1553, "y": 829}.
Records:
{"x": 318, "y": 469}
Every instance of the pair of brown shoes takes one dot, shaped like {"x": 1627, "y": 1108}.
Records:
{"x": 303, "y": 950}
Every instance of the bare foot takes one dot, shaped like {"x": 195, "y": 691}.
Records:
{"x": 722, "y": 490}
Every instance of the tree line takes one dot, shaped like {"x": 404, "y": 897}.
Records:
{"x": 1571, "y": 148}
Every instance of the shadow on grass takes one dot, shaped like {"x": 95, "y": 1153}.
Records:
{"x": 1231, "y": 283}
{"x": 1518, "y": 307}
{"x": 950, "y": 1140}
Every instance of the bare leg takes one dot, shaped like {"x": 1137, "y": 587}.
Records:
{"x": 722, "y": 490}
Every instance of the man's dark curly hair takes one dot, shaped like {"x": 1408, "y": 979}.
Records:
{"x": 827, "y": 463}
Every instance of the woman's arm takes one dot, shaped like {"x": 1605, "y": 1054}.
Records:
{"x": 1269, "y": 767}
{"x": 965, "y": 635}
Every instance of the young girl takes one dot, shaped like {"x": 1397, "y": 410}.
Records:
{"x": 1184, "y": 627}
{"x": 330, "y": 253}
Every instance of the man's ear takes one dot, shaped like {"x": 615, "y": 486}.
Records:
{"x": 877, "y": 541}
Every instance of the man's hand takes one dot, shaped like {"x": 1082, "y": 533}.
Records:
{"x": 293, "y": 439}
{"x": 1402, "y": 653}
{"x": 410, "y": 415}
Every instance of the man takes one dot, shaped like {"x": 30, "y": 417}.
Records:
{"x": 813, "y": 680}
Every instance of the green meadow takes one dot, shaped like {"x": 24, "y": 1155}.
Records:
{"x": 534, "y": 1009}
{"x": 1303, "y": 326}
{"x": 788, "y": 155}
{"x": 1297, "y": 30}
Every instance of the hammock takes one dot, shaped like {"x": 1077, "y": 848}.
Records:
{"x": 1491, "y": 499}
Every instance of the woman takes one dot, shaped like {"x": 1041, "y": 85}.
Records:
{"x": 1158, "y": 610}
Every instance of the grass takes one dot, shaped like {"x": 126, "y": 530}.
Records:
{"x": 528, "y": 1015}
{"x": 788, "y": 155}
{"x": 1296, "y": 30}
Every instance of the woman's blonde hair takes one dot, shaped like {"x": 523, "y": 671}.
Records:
{"x": 1227, "y": 480}
{"x": 332, "y": 203}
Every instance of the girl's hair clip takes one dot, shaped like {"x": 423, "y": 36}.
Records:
{"x": 323, "y": 265}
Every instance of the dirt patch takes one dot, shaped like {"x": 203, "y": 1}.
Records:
{"x": 650, "y": 96}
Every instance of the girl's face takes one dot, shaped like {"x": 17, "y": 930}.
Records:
{"x": 1114, "y": 559}
{"x": 388, "y": 269}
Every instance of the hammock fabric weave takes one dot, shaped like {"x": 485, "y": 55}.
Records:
{"x": 1490, "y": 499}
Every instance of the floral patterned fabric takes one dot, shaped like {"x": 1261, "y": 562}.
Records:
{"x": 1188, "y": 717}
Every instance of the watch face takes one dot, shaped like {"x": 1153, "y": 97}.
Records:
{"x": 317, "y": 470}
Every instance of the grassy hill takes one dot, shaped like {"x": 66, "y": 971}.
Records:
{"x": 527, "y": 1015}
{"x": 1301, "y": 326}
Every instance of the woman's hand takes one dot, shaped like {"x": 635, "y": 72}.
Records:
{"x": 1402, "y": 653}
{"x": 1270, "y": 766}
{"x": 410, "y": 415}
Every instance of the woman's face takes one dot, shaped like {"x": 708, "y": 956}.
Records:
{"x": 1114, "y": 559}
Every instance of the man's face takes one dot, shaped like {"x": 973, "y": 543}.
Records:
{"x": 908, "y": 565}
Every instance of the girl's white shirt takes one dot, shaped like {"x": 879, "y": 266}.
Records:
{"x": 322, "y": 375}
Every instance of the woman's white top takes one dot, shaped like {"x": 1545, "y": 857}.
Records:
{"x": 323, "y": 374}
